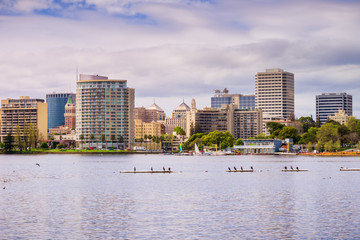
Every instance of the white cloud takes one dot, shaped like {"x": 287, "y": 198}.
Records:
{"x": 175, "y": 49}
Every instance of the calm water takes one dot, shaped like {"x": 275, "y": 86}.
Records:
{"x": 85, "y": 197}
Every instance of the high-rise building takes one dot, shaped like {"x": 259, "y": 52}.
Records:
{"x": 274, "y": 93}
{"x": 27, "y": 113}
{"x": 56, "y": 108}
{"x": 327, "y": 104}
{"x": 224, "y": 98}
{"x": 70, "y": 113}
{"x": 244, "y": 123}
{"x": 104, "y": 112}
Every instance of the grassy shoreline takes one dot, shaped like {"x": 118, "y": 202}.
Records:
{"x": 73, "y": 151}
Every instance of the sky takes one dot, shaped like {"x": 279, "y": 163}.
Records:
{"x": 171, "y": 51}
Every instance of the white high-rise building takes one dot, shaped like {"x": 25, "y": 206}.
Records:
{"x": 104, "y": 112}
{"x": 274, "y": 93}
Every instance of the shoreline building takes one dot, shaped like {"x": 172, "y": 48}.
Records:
{"x": 178, "y": 118}
{"x": 153, "y": 113}
{"x": 327, "y": 104}
{"x": 224, "y": 98}
{"x": 241, "y": 123}
{"x": 104, "y": 112}
{"x": 70, "y": 113}
{"x": 24, "y": 112}
{"x": 274, "y": 94}
{"x": 56, "y": 108}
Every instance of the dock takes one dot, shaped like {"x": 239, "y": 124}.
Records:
{"x": 349, "y": 169}
{"x": 166, "y": 171}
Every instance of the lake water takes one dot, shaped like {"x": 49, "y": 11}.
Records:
{"x": 86, "y": 197}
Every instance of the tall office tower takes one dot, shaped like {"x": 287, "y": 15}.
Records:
{"x": 327, "y": 104}
{"x": 56, "y": 108}
{"x": 24, "y": 112}
{"x": 104, "y": 112}
{"x": 274, "y": 93}
{"x": 224, "y": 98}
{"x": 70, "y": 113}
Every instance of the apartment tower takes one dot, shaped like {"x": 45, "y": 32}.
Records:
{"x": 104, "y": 112}
{"x": 24, "y": 114}
{"x": 274, "y": 93}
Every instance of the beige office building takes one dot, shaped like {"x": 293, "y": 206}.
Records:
{"x": 23, "y": 112}
{"x": 274, "y": 93}
{"x": 144, "y": 128}
{"x": 104, "y": 112}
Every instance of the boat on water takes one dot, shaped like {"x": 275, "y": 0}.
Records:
{"x": 349, "y": 169}
{"x": 244, "y": 170}
{"x": 294, "y": 170}
{"x": 166, "y": 171}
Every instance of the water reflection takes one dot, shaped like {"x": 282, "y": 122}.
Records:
{"x": 85, "y": 197}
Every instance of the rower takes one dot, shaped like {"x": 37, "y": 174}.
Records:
{"x": 151, "y": 169}
{"x": 241, "y": 168}
{"x": 252, "y": 168}
{"x": 291, "y": 168}
{"x": 163, "y": 169}
{"x": 297, "y": 168}
{"x": 169, "y": 170}
{"x": 229, "y": 168}
{"x": 285, "y": 167}
{"x": 134, "y": 169}
{"x": 235, "y": 168}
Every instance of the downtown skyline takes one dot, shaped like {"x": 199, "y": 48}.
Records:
{"x": 175, "y": 50}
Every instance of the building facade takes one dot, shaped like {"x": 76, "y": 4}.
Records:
{"x": 274, "y": 93}
{"x": 70, "y": 113}
{"x": 56, "y": 108}
{"x": 221, "y": 98}
{"x": 244, "y": 124}
{"x": 27, "y": 113}
{"x": 144, "y": 128}
{"x": 327, "y": 104}
{"x": 153, "y": 113}
{"x": 104, "y": 112}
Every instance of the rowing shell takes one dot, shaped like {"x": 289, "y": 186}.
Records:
{"x": 147, "y": 171}
{"x": 294, "y": 170}
{"x": 349, "y": 169}
{"x": 250, "y": 170}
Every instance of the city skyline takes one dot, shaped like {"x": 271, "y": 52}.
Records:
{"x": 179, "y": 49}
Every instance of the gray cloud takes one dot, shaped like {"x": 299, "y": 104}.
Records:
{"x": 175, "y": 49}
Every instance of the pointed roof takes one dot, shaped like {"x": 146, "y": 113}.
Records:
{"x": 70, "y": 100}
{"x": 183, "y": 106}
{"x": 154, "y": 106}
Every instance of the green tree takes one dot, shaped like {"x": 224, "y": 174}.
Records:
{"x": 273, "y": 126}
{"x": 239, "y": 142}
{"x": 309, "y": 147}
{"x": 221, "y": 139}
{"x": 9, "y": 143}
{"x": 61, "y": 146}
{"x": 352, "y": 124}
{"x": 327, "y": 132}
{"x": 18, "y": 139}
{"x": 309, "y": 136}
{"x": 44, "y": 145}
{"x": 289, "y": 132}
{"x": 81, "y": 137}
{"x": 112, "y": 141}
{"x": 318, "y": 146}
{"x": 91, "y": 137}
{"x": 306, "y": 123}
{"x": 102, "y": 139}
{"x": 329, "y": 146}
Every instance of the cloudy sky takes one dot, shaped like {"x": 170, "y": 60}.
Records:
{"x": 172, "y": 50}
